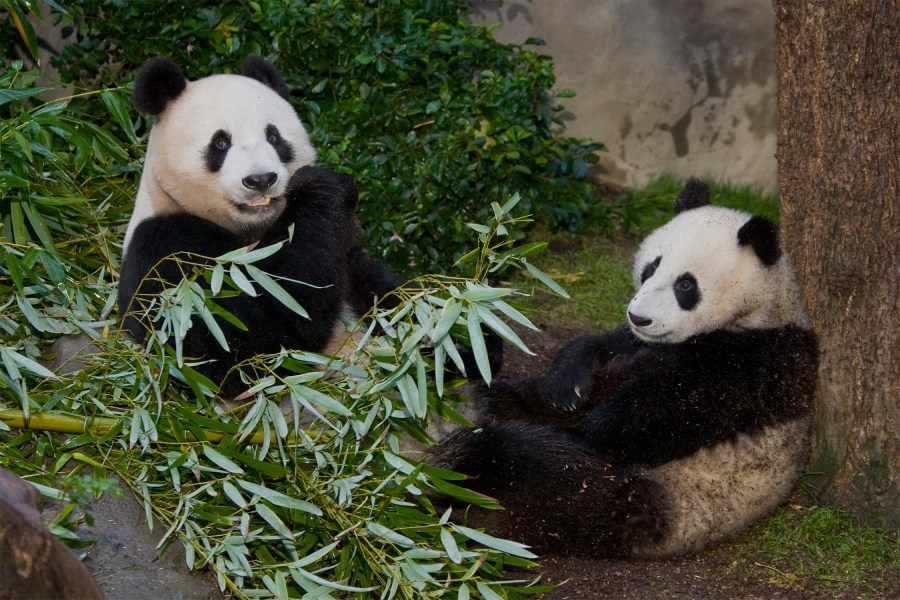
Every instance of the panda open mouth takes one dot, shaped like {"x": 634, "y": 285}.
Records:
{"x": 259, "y": 201}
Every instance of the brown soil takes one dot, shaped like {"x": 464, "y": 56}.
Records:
{"x": 714, "y": 574}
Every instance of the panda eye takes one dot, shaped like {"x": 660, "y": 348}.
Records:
{"x": 650, "y": 269}
{"x": 687, "y": 292}
{"x": 273, "y": 136}
{"x": 217, "y": 150}
{"x": 221, "y": 141}
{"x": 281, "y": 145}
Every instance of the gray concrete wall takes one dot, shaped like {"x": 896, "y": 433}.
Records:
{"x": 670, "y": 86}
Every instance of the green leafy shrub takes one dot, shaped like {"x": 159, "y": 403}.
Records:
{"x": 431, "y": 116}
{"x": 61, "y": 174}
{"x": 64, "y": 181}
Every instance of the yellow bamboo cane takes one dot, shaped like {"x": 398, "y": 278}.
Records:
{"x": 63, "y": 423}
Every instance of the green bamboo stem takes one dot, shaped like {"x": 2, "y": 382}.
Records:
{"x": 63, "y": 423}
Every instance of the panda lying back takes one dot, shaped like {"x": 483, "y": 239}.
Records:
{"x": 680, "y": 429}
{"x": 228, "y": 166}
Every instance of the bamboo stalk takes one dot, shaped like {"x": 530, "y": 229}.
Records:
{"x": 63, "y": 423}
{"x": 50, "y": 421}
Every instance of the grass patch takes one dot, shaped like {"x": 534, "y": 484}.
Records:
{"x": 595, "y": 271}
{"x": 822, "y": 544}
{"x": 641, "y": 211}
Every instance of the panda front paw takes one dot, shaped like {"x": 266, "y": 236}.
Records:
{"x": 567, "y": 392}
{"x": 316, "y": 184}
{"x": 569, "y": 383}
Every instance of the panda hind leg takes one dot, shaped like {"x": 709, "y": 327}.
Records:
{"x": 558, "y": 499}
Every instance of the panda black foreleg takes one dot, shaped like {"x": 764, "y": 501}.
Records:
{"x": 579, "y": 370}
{"x": 558, "y": 497}
{"x": 515, "y": 399}
{"x": 577, "y": 380}
{"x": 370, "y": 281}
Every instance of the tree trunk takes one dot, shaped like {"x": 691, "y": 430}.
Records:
{"x": 838, "y": 67}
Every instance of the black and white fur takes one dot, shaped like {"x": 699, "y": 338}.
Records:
{"x": 678, "y": 430}
{"x": 228, "y": 165}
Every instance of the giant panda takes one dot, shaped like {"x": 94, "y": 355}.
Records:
{"x": 229, "y": 165}
{"x": 678, "y": 430}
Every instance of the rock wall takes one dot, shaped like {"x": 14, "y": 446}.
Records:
{"x": 670, "y": 86}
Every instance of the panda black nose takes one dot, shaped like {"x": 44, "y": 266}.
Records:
{"x": 638, "y": 321}
{"x": 259, "y": 181}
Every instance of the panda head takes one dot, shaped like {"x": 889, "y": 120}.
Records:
{"x": 711, "y": 268}
{"x": 222, "y": 148}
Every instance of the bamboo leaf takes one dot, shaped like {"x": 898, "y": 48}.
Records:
{"x": 242, "y": 256}
{"x": 278, "y": 499}
{"x": 389, "y": 534}
{"x": 475, "y": 293}
{"x": 28, "y": 364}
{"x": 13, "y": 95}
{"x": 439, "y": 370}
{"x": 319, "y": 399}
{"x": 486, "y": 592}
{"x": 271, "y": 286}
{"x": 545, "y": 279}
{"x": 410, "y": 395}
{"x": 449, "y": 316}
{"x": 510, "y": 204}
{"x": 449, "y": 347}
{"x": 479, "y": 349}
{"x": 514, "y": 314}
{"x": 500, "y": 328}
{"x": 201, "y": 308}
{"x": 220, "y": 460}
{"x": 331, "y": 584}
{"x": 268, "y": 515}
{"x": 523, "y": 251}
{"x": 241, "y": 281}
{"x": 450, "y": 546}
{"x": 489, "y": 541}
{"x": 120, "y": 113}
{"x": 218, "y": 276}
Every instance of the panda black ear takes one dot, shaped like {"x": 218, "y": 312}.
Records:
{"x": 760, "y": 233}
{"x": 156, "y": 84}
{"x": 694, "y": 195}
{"x": 265, "y": 72}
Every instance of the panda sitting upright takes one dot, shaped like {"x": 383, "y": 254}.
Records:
{"x": 228, "y": 166}
{"x": 678, "y": 430}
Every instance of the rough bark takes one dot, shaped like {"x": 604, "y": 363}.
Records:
{"x": 33, "y": 563}
{"x": 838, "y": 67}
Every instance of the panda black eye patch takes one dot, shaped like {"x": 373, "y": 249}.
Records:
{"x": 282, "y": 146}
{"x": 217, "y": 149}
{"x": 687, "y": 292}
{"x": 650, "y": 269}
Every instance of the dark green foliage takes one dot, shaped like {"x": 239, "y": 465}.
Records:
{"x": 432, "y": 117}
{"x": 63, "y": 177}
{"x": 641, "y": 211}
